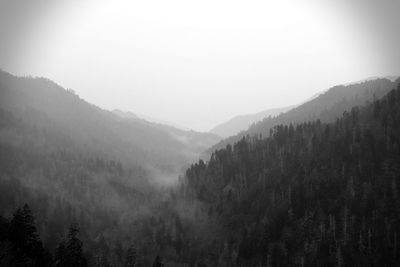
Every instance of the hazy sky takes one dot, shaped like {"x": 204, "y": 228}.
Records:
{"x": 198, "y": 63}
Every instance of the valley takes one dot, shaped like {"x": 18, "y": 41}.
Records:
{"x": 312, "y": 185}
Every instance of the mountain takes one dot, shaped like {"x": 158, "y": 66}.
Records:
{"x": 132, "y": 141}
{"x": 242, "y": 122}
{"x": 74, "y": 162}
{"x": 310, "y": 194}
{"x": 327, "y": 106}
{"x": 391, "y": 78}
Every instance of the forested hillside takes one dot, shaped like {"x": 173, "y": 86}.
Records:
{"x": 307, "y": 194}
{"x": 46, "y": 169}
{"x": 326, "y": 107}
{"x": 93, "y": 131}
{"x": 314, "y": 194}
{"x": 73, "y": 162}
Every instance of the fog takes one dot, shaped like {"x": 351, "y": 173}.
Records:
{"x": 99, "y": 165}
{"x": 211, "y": 59}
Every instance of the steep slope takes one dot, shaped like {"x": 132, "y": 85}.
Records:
{"x": 93, "y": 130}
{"x": 313, "y": 194}
{"x": 242, "y": 122}
{"x": 65, "y": 183}
{"x": 327, "y": 107}
{"x": 74, "y": 162}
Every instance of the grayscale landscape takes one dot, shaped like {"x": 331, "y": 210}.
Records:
{"x": 199, "y": 134}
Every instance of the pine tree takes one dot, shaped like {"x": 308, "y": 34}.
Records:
{"x": 70, "y": 252}
{"x": 131, "y": 257}
{"x": 158, "y": 262}
{"x": 25, "y": 243}
{"x": 60, "y": 255}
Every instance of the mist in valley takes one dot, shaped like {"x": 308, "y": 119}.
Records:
{"x": 213, "y": 133}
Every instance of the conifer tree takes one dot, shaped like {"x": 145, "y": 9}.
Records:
{"x": 158, "y": 262}
{"x": 70, "y": 252}
{"x": 131, "y": 257}
{"x": 27, "y": 249}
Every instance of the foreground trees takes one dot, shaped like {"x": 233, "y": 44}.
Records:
{"x": 20, "y": 243}
{"x": 131, "y": 257}
{"x": 69, "y": 252}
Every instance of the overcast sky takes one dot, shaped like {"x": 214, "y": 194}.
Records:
{"x": 198, "y": 63}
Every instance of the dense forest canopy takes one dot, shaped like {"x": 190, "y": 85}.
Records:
{"x": 316, "y": 186}
{"x": 311, "y": 194}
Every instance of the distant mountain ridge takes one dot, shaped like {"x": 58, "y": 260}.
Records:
{"x": 391, "y": 78}
{"x": 242, "y": 122}
{"x": 125, "y": 114}
{"x": 326, "y": 106}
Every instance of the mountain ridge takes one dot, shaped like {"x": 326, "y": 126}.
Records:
{"x": 136, "y": 142}
{"x": 327, "y": 106}
{"x": 242, "y": 122}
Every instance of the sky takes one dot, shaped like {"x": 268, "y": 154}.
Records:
{"x": 196, "y": 64}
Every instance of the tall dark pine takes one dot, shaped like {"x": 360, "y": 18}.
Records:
{"x": 26, "y": 246}
{"x": 131, "y": 257}
{"x": 70, "y": 252}
{"x": 157, "y": 262}
{"x": 5, "y": 247}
